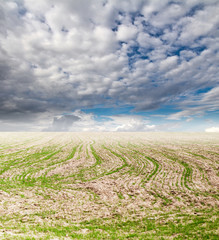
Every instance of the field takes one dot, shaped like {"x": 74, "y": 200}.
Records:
{"x": 109, "y": 185}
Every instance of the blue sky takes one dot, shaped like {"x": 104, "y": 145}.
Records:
{"x": 108, "y": 65}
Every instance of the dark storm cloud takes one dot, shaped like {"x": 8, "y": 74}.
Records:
{"x": 58, "y": 56}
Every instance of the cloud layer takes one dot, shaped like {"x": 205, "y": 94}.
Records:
{"x": 60, "y": 56}
{"x": 212, "y": 129}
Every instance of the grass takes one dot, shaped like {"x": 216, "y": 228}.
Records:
{"x": 92, "y": 186}
{"x": 181, "y": 226}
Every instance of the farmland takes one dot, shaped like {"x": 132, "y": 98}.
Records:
{"x": 109, "y": 185}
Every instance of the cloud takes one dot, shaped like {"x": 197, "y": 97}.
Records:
{"x": 81, "y": 121}
{"x": 59, "y": 56}
{"x": 205, "y": 102}
{"x": 74, "y": 121}
{"x": 127, "y": 123}
{"x": 63, "y": 123}
{"x": 126, "y": 33}
{"x": 212, "y": 129}
{"x": 168, "y": 63}
{"x": 201, "y": 24}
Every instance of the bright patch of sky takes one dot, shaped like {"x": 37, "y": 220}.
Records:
{"x": 108, "y": 65}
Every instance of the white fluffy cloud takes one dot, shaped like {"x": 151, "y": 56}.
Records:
{"x": 126, "y": 33}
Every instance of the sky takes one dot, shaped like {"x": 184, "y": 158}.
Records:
{"x": 109, "y": 65}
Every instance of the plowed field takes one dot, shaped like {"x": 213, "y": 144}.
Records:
{"x": 109, "y": 185}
